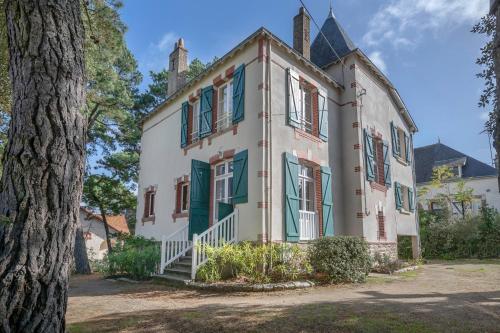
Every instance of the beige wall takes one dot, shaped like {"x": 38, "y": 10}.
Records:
{"x": 484, "y": 187}
{"x": 98, "y": 237}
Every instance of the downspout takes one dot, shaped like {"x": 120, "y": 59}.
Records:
{"x": 360, "y": 96}
{"x": 263, "y": 167}
{"x": 269, "y": 150}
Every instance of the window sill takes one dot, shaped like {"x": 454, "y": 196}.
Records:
{"x": 401, "y": 161}
{"x": 379, "y": 187}
{"x": 303, "y": 134}
{"x": 404, "y": 212}
{"x": 180, "y": 215}
{"x": 148, "y": 219}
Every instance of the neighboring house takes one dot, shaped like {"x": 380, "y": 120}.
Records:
{"x": 479, "y": 176}
{"x": 94, "y": 233}
{"x": 303, "y": 144}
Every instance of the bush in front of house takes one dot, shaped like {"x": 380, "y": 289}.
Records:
{"x": 134, "y": 256}
{"x": 456, "y": 238}
{"x": 254, "y": 263}
{"x": 341, "y": 258}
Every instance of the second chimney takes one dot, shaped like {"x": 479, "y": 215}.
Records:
{"x": 302, "y": 33}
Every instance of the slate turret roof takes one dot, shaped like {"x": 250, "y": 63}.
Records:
{"x": 428, "y": 157}
{"x": 321, "y": 53}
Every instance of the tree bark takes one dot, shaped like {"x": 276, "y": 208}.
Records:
{"x": 43, "y": 163}
{"x": 81, "y": 258}
{"x": 106, "y": 229}
{"x": 496, "y": 133}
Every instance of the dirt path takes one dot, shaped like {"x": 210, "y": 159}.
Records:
{"x": 446, "y": 296}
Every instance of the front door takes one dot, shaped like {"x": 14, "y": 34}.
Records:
{"x": 307, "y": 212}
{"x": 199, "y": 197}
{"x": 223, "y": 187}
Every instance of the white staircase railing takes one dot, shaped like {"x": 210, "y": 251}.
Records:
{"x": 174, "y": 247}
{"x": 223, "y": 232}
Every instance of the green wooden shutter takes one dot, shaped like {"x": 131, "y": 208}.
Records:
{"x": 398, "y": 195}
{"x": 291, "y": 206}
{"x": 184, "y": 124}
{"x": 411, "y": 200}
{"x": 224, "y": 210}
{"x": 240, "y": 177}
{"x": 206, "y": 105}
{"x": 239, "y": 94}
{"x": 396, "y": 151}
{"x": 387, "y": 164}
{"x": 323, "y": 114}
{"x": 327, "y": 201}
{"x": 199, "y": 197}
{"x": 369, "y": 156}
{"x": 294, "y": 104}
{"x": 407, "y": 148}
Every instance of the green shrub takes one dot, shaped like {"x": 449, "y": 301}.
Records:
{"x": 256, "y": 263}
{"x": 134, "y": 256}
{"x": 405, "y": 251}
{"x": 454, "y": 238}
{"x": 341, "y": 258}
{"x": 382, "y": 263}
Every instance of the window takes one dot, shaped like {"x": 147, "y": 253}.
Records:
{"x": 149, "y": 203}
{"x": 306, "y": 189}
{"x": 196, "y": 121}
{"x": 378, "y": 151}
{"x": 223, "y": 185}
{"x": 306, "y": 113}
{"x": 457, "y": 171}
{"x": 225, "y": 103}
{"x": 402, "y": 143}
{"x": 184, "y": 197}
{"x": 405, "y": 197}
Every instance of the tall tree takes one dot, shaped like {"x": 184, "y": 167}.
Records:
{"x": 43, "y": 164}
{"x": 489, "y": 25}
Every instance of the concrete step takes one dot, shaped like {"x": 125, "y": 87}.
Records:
{"x": 183, "y": 263}
{"x": 179, "y": 270}
{"x": 174, "y": 277}
{"x": 185, "y": 259}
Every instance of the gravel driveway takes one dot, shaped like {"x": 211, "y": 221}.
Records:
{"x": 455, "y": 296}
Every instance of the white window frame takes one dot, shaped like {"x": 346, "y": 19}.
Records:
{"x": 405, "y": 198}
{"x": 306, "y": 125}
{"x": 224, "y": 177}
{"x": 184, "y": 197}
{"x": 402, "y": 144}
{"x": 150, "y": 209}
{"x": 225, "y": 106}
{"x": 304, "y": 179}
{"x": 196, "y": 121}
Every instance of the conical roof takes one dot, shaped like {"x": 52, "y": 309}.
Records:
{"x": 321, "y": 52}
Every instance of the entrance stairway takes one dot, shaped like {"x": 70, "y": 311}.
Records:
{"x": 181, "y": 258}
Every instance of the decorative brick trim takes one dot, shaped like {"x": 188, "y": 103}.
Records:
{"x": 353, "y": 85}
{"x": 299, "y": 134}
{"x": 225, "y": 155}
{"x": 354, "y": 104}
{"x": 378, "y": 187}
{"x": 319, "y": 200}
{"x": 235, "y": 129}
{"x": 211, "y": 198}
{"x": 263, "y": 86}
{"x": 228, "y": 153}
{"x": 355, "y": 124}
{"x": 381, "y": 235}
{"x": 357, "y": 146}
{"x": 359, "y": 215}
{"x": 192, "y": 98}
{"x": 230, "y": 72}
{"x": 262, "y": 174}
{"x": 352, "y": 67}
{"x": 357, "y": 169}
{"x": 359, "y": 192}
{"x": 263, "y": 204}
{"x": 218, "y": 81}
{"x": 263, "y": 114}
{"x": 263, "y": 143}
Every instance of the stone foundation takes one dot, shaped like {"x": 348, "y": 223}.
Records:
{"x": 391, "y": 249}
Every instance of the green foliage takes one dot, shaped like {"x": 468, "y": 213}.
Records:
{"x": 341, "y": 258}
{"x": 405, "y": 248}
{"x": 469, "y": 237}
{"x": 256, "y": 263}
{"x": 486, "y": 60}
{"x": 383, "y": 263}
{"x": 134, "y": 256}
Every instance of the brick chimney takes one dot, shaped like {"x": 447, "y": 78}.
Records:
{"x": 177, "y": 68}
{"x": 302, "y": 33}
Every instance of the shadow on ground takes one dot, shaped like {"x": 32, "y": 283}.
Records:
{"x": 372, "y": 312}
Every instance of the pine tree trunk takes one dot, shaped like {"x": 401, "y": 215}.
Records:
{"x": 106, "y": 229}
{"x": 44, "y": 159}
{"x": 496, "y": 133}
{"x": 81, "y": 258}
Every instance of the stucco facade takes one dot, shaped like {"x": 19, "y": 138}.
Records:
{"x": 269, "y": 138}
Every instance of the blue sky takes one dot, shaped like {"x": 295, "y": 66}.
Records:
{"x": 425, "y": 47}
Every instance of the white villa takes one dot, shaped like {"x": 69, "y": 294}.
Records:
{"x": 277, "y": 144}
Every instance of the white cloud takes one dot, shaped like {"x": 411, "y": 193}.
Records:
{"x": 155, "y": 57}
{"x": 167, "y": 41}
{"x": 403, "y": 22}
{"x": 377, "y": 59}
